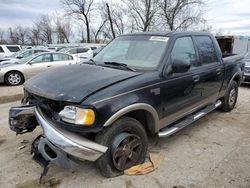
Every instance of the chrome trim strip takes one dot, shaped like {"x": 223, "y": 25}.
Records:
{"x": 183, "y": 112}
{"x": 130, "y": 108}
{"x": 199, "y": 115}
{"x": 71, "y": 143}
{"x": 169, "y": 132}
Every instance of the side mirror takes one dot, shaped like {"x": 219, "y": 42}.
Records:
{"x": 30, "y": 63}
{"x": 180, "y": 65}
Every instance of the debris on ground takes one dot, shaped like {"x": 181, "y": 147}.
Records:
{"x": 21, "y": 147}
{"x": 148, "y": 166}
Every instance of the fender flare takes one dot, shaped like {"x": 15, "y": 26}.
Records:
{"x": 133, "y": 107}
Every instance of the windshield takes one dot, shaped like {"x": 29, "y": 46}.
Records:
{"x": 139, "y": 52}
{"x": 64, "y": 50}
{"x": 26, "y": 59}
{"x": 247, "y": 56}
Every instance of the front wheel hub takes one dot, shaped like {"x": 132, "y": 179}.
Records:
{"x": 126, "y": 150}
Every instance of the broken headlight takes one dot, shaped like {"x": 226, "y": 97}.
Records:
{"x": 78, "y": 116}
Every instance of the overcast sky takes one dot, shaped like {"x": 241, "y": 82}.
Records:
{"x": 230, "y": 15}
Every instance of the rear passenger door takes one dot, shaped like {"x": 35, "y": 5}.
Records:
{"x": 61, "y": 60}
{"x": 211, "y": 76}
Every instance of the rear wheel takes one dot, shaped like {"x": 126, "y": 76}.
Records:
{"x": 127, "y": 145}
{"x": 14, "y": 78}
{"x": 230, "y": 99}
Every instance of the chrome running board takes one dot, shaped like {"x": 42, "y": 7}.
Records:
{"x": 165, "y": 132}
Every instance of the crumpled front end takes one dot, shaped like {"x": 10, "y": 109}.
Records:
{"x": 56, "y": 144}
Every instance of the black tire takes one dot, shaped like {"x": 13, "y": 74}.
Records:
{"x": 112, "y": 136}
{"x": 14, "y": 78}
{"x": 230, "y": 99}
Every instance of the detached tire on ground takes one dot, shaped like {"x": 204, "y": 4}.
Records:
{"x": 14, "y": 78}
{"x": 127, "y": 146}
{"x": 230, "y": 99}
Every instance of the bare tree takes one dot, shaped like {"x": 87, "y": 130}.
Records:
{"x": 99, "y": 30}
{"x": 45, "y": 28}
{"x": 115, "y": 17}
{"x": 34, "y": 35}
{"x": 2, "y": 36}
{"x": 110, "y": 20}
{"x": 180, "y": 14}
{"x": 142, "y": 12}
{"x": 81, "y": 10}
{"x": 62, "y": 29}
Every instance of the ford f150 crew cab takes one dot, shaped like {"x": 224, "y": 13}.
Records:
{"x": 139, "y": 84}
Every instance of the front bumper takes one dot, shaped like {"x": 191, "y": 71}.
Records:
{"x": 246, "y": 78}
{"x": 66, "y": 142}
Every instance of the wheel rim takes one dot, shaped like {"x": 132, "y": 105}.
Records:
{"x": 14, "y": 78}
{"x": 126, "y": 150}
{"x": 232, "y": 96}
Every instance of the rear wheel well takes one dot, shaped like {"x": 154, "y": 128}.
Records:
{"x": 144, "y": 117}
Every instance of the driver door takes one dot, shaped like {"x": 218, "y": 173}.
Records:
{"x": 181, "y": 92}
{"x": 38, "y": 64}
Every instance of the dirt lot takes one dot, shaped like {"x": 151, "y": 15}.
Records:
{"x": 213, "y": 152}
{"x": 10, "y": 93}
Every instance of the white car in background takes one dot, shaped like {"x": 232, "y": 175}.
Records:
{"x": 16, "y": 74}
{"x": 8, "y": 50}
{"x": 83, "y": 54}
{"x": 15, "y": 57}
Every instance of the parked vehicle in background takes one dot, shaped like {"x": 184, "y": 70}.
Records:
{"x": 233, "y": 44}
{"x": 8, "y": 50}
{"x": 247, "y": 69}
{"x": 16, "y": 74}
{"x": 80, "y": 53}
{"x": 139, "y": 84}
{"x": 97, "y": 50}
{"x": 26, "y": 47}
{"x": 20, "y": 54}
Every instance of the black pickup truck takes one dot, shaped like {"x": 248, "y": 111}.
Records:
{"x": 139, "y": 84}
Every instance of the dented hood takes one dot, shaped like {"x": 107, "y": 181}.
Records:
{"x": 74, "y": 83}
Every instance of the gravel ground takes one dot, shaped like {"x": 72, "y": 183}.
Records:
{"x": 213, "y": 152}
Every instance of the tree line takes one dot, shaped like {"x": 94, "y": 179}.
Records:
{"x": 92, "y": 21}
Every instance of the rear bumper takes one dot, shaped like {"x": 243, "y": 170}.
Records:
{"x": 70, "y": 143}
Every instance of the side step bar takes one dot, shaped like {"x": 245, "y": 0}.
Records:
{"x": 165, "y": 132}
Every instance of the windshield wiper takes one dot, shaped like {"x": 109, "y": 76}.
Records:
{"x": 120, "y": 65}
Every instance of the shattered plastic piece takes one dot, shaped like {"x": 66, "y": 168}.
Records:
{"x": 21, "y": 147}
{"x": 147, "y": 167}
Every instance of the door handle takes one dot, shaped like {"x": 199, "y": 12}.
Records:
{"x": 49, "y": 66}
{"x": 218, "y": 71}
{"x": 196, "y": 78}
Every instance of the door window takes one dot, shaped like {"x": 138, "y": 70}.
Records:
{"x": 206, "y": 50}
{"x": 27, "y": 53}
{"x": 82, "y": 50}
{"x": 42, "y": 58}
{"x": 73, "y": 51}
{"x": 13, "y": 48}
{"x": 184, "y": 49}
{"x": 61, "y": 57}
{"x": 1, "y": 49}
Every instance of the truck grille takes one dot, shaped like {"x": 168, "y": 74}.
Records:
{"x": 50, "y": 107}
